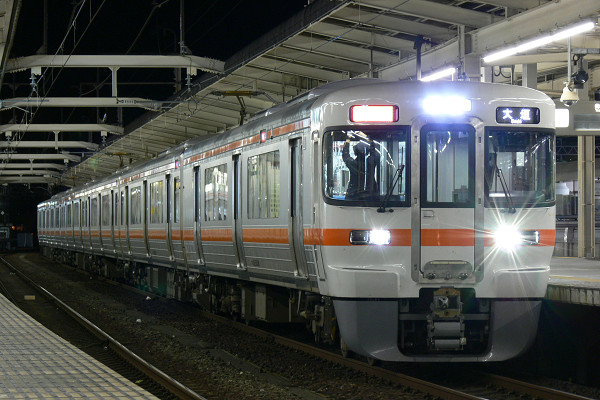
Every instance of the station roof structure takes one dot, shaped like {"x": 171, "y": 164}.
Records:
{"x": 325, "y": 41}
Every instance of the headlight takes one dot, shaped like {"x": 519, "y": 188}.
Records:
{"x": 508, "y": 237}
{"x": 374, "y": 236}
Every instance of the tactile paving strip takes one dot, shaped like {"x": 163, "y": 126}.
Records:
{"x": 37, "y": 364}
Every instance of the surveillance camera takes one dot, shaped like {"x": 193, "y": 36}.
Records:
{"x": 569, "y": 97}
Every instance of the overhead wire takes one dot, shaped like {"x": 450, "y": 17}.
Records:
{"x": 55, "y": 78}
{"x": 152, "y": 11}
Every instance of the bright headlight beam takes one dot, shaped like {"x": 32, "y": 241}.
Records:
{"x": 439, "y": 74}
{"x": 507, "y": 237}
{"x": 452, "y": 105}
{"x": 379, "y": 237}
{"x": 544, "y": 40}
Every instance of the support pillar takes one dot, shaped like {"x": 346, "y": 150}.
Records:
{"x": 586, "y": 215}
{"x": 586, "y": 169}
{"x": 529, "y": 76}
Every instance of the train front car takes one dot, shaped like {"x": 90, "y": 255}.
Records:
{"x": 437, "y": 227}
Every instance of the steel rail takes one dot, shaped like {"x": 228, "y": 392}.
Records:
{"x": 537, "y": 391}
{"x": 420, "y": 385}
{"x": 402, "y": 379}
{"x": 170, "y": 384}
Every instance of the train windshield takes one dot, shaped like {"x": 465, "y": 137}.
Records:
{"x": 365, "y": 166}
{"x": 519, "y": 169}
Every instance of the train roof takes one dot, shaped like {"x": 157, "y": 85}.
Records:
{"x": 300, "y": 107}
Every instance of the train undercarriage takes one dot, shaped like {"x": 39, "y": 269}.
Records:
{"x": 443, "y": 321}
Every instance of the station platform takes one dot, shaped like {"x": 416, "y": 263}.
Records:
{"x": 574, "y": 280}
{"x": 37, "y": 364}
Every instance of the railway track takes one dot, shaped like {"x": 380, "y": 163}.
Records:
{"x": 482, "y": 386}
{"x": 492, "y": 386}
{"x": 104, "y": 348}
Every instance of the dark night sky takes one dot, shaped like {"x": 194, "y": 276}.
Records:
{"x": 213, "y": 28}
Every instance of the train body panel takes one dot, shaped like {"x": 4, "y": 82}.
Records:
{"x": 419, "y": 216}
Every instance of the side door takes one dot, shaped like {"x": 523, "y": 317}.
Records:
{"x": 198, "y": 215}
{"x": 296, "y": 224}
{"x": 447, "y": 202}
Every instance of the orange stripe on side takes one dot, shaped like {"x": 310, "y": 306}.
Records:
{"x": 447, "y": 237}
{"x": 136, "y": 234}
{"x": 547, "y": 237}
{"x": 294, "y": 126}
{"x": 157, "y": 234}
{"x": 341, "y": 237}
{"x": 266, "y": 235}
{"x": 188, "y": 234}
{"x": 217, "y": 235}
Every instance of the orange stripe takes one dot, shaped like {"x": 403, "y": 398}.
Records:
{"x": 159, "y": 234}
{"x": 176, "y": 234}
{"x": 217, "y": 235}
{"x": 447, "y": 237}
{"x": 294, "y": 126}
{"x": 188, "y": 235}
{"x": 265, "y": 235}
{"x": 547, "y": 237}
{"x": 341, "y": 237}
{"x": 136, "y": 234}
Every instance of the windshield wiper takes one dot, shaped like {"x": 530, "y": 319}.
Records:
{"x": 500, "y": 175}
{"x": 395, "y": 179}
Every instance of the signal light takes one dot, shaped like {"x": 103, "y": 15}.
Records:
{"x": 374, "y": 113}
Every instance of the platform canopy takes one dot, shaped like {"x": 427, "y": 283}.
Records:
{"x": 326, "y": 41}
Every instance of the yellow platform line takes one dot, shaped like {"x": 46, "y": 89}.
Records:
{"x": 572, "y": 278}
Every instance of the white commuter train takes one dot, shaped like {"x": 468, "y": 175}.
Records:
{"x": 414, "y": 221}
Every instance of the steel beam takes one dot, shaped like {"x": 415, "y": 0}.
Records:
{"x": 31, "y": 144}
{"x": 434, "y": 11}
{"x": 20, "y": 172}
{"x": 32, "y": 165}
{"x": 543, "y": 19}
{"x": 357, "y": 35}
{"x": 398, "y": 25}
{"x": 116, "y": 61}
{"x": 40, "y": 156}
{"x": 28, "y": 179}
{"x": 130, "y": 102}
{"x": 118, "y": 130}
{"x": 511, "y": 30}
{"x": 270, "y": 66}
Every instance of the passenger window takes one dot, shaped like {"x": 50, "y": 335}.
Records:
{"x": 215, "y": 193}
{"x": 156, "y": 202}
{"x": 136, "y": 205}
{"x": 105, "y": 210}
{"x": 263, "y": 185}
{"x": 94, "y": 212}
{"x": 447, "y": 161}
{"x": 76, "y": 214}
{"x": 69, "y": 214}
{"x": 176, "y": 200}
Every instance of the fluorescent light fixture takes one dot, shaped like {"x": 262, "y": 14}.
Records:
{"x": 451, "y": 105}
{"x": 533, "y": 44}
{"x": 561, "y": 118}
{"x": 439, "y": 74}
